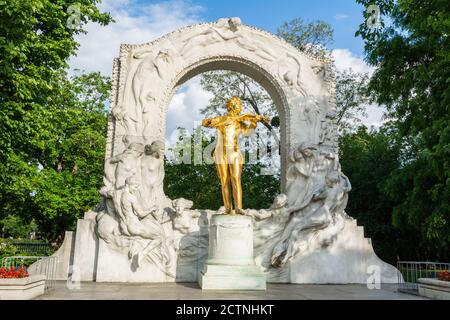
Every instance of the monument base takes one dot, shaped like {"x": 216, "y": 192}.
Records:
{"x": 230, "y": 264}
{"x": 228, "y": 277}
{"x": 349, "y": 259}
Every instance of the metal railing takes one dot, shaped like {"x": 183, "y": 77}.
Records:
{"x": 411, "y": 271}
{"x": 31, "y": 247}
{"x": 43, "y": 265}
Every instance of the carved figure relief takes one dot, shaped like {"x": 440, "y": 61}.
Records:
{"x": 226, "y": 30}
{"x": 299, "y": 178}
{"x": 290, "y": 71}
{"x": 133, "y": 112}
{"x": 318, "y": 207}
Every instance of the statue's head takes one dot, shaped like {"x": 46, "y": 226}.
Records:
{"x": 280, "y": 201}
{"x": 156, "y": 148}
{"x": 234, "y": 23}
{"x": 181, "y": 204}
{"x": 136, "y": 147}
{"x": 132, "y": 183}
{"x": 307, "y": 149}
{"x": 332, "y": 178}
{"x": 234, "y": 105}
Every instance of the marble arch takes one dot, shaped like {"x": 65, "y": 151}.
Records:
{"x": 138, "y": 234}
{"x": 295, "y": 81}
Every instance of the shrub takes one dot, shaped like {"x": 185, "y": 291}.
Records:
{"x": 8, "y": 250}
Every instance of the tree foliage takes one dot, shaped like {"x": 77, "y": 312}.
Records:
{"x": 351, "y": 99}
{"x": 313, "y": 38}
{"x": 14, "y": 226}
{"x": 368, "y": 158}
{"x": 52, "y": 128}
{"x": 411, "y": 52}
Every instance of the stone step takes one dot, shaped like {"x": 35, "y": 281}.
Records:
{"x": 231, "y": 270}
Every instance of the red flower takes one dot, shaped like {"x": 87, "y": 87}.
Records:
{"x": 444, "y": 275}
{"x": 12, "y": 272}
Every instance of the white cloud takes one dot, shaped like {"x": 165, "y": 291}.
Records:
{"x": 134, "y": 23}
{"x": 341, "y": 16}
{"x": 375, "y": 114}
{"x": 344, "y": 59}
{"x": 184, "y": 109}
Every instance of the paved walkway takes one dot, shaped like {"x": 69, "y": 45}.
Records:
{"x": 187, "y": 291}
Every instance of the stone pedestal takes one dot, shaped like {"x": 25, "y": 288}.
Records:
{"x": 230, "y": 264}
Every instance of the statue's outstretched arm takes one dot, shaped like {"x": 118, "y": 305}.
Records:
{"x": 262, "y": 214}
{"x": 253, "y": 120}
{"x": 138, "y": 210}
{"x": 213, "y": 122}
{"x": 117, "y": 158}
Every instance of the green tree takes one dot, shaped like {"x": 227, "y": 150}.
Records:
{"x": 411, "y": 52}
{"x": 15, "y": 226}
{"x": 36, "y": 108}
{"x": 351, "y": 99}
{"x": 70, "y": 172}
{"x": 368, "y": 158}
{"x": 313, "y": 38}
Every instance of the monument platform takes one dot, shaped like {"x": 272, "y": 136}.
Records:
{"x": 192, "y": 291}
{"x": 230, "y": 264}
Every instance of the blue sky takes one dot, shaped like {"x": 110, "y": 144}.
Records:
{"x": 343, "y": 15}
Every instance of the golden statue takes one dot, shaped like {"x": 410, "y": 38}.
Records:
{"x": 227, "y": 155}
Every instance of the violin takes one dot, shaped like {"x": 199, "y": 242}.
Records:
{"x": 253, "y": 118}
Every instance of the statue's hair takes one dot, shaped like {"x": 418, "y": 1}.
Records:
{"x": 233, "y": 102}
{"x": 185, "y": 203}
{"x": 157, "y": 144}
{"x": 132, "y": 180}
{"x": 234, "y": 23}
{"x": 307, "y": 145}
{"x": 277, "y": 199}
{"x": 136, "y": 146}
{"x": 332, "y": 177}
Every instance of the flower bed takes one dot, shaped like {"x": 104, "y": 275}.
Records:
{"x": 17, "y": 284}
{"x": 9, "y": 273}
{"x": 444, "y": 276}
